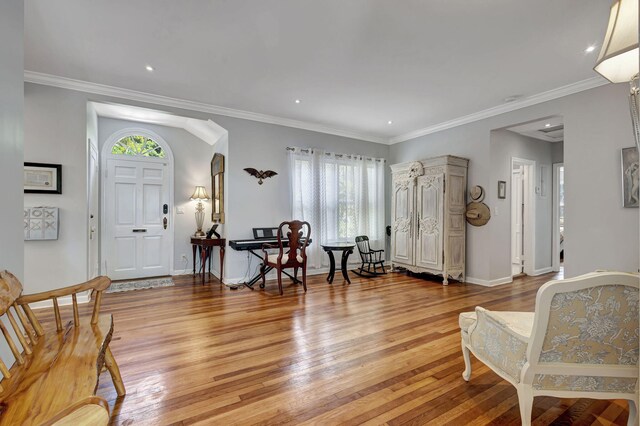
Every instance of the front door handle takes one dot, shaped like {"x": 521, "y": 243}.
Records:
{"x": 164, "y": 222}
{"x": 140, "y": 230}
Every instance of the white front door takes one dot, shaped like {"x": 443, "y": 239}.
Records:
{"x": 138, "y": 235}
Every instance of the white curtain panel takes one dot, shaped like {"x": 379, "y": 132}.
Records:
{"x": 340, "y": 195}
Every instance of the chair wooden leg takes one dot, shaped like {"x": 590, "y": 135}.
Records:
{"x": 110, "y": 362}
{"x": 304, "y": 278}
{"x": 525, "y": 400}
{"x": 280, "y": 281}
{"x": 633, "y": 413}
{"x": 295, "y": 275}
{"x": 262, "y": 275}
{"x": 466, "y": 374}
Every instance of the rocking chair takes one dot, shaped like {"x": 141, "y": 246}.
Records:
{"x": 373, "y": 259}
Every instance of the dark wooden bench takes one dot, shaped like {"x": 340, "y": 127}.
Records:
{"x": 57, "y": 367}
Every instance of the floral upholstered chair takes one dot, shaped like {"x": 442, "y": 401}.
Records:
{"x": 581, "y": 341}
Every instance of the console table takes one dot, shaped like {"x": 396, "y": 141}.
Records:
{"x": 204, "y": 246}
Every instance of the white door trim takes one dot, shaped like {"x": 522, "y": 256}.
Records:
{"x": 555, "y": 237}
{"x": 105, "y": 155}
{"x": 529, "y": 221}
{"x": 91, "y": 147}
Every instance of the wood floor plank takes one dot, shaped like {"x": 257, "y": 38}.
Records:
{"x": 378, "y": 351}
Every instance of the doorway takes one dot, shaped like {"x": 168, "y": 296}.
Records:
{"x": 557, "y": 251}
{"x": 137, "y": 199}
{"x": 522, "y": 216}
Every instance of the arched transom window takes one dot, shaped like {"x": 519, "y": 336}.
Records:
{"x": 138, "y": 146}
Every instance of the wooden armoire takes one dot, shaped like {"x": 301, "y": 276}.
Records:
{"x": 428, "y": 226}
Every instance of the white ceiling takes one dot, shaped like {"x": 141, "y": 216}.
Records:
{"x": 550, "y": 129}
{"x": 354, "y": 64}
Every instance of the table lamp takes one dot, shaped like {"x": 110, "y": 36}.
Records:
{"x": 199, "y": 195}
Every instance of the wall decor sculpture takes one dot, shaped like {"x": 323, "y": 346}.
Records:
{"x": 41, "y": 223}
{"x": 260, "y": 174}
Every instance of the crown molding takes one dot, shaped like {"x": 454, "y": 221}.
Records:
{"x": 134, "y": 95}
{"x": 549, "y": 95}
{"x": 117, "y": 92}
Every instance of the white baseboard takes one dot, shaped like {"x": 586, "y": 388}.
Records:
{"x": 182, "y": 272}
{"x": 488, "y": 283}
{"x": 62, "y": 301}
{"x": 542, "y": 271}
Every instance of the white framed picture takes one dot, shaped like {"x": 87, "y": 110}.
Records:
{"x": 42, "y": 178}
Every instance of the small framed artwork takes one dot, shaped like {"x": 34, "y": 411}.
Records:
{"x": 630, "y": 171}
{"x": 502, "y": 189}
{"x": 42, "y": 178}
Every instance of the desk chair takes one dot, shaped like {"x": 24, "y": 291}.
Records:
{"x": 297, "y": 234}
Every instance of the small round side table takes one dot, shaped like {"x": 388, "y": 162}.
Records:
{"x": 346, "y": 249}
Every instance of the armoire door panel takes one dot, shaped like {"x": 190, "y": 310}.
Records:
{"x": 430, "y": 220}
{"x": 402, "y": 211}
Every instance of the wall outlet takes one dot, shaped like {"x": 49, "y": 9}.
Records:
{"x": 179, "y": 210}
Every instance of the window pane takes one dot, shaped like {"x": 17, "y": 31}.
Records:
{"x": 138, "y": 145}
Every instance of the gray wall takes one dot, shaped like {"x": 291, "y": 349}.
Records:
{"x": 262, "y": 146}
{"x": 600, "y": 233}
{"x": 11, "y": 140}
{"x": 11, "y": 135}
{"x": 57, "y": 130}
{"x": 557, "y": 152}
{"x": 504, "y": 146}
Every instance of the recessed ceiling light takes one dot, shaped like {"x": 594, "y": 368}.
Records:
{"x": 389, "y": 122}
{"x": 149, "y": 68}
{"x": 547, "y": 125}
{"x": 590, "y": 49}
{"x": 297, "y": 101}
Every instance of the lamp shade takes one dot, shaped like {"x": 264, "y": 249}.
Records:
{"x": 200, "y": 193}
{"x": 618, "y": 60}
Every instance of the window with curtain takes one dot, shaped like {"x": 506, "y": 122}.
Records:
{"x": 340, "y": 195}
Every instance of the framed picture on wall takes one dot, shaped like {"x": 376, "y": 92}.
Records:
{"x": 630, "y": 166}
{"x": 502, "y": 189}
{"x": 42, "y": 178}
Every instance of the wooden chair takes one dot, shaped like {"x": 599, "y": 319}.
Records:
{"x": 581, "y": 341}
{"x": 371, "y": 258}
{"x": 292, "y": 252}
{"x": 57, "y": 366}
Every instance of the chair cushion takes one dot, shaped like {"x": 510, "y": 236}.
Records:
{"x": 273, "y": 258}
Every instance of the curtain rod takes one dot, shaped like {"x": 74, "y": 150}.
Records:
{"x": 310, "y": 151}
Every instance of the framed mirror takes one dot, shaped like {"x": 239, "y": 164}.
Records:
{"x": 217, "y": 188}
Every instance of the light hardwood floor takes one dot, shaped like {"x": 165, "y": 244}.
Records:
{"x": 379, "y": 351}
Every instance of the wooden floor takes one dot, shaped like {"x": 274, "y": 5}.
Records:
{"x": 380, "y": 351}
